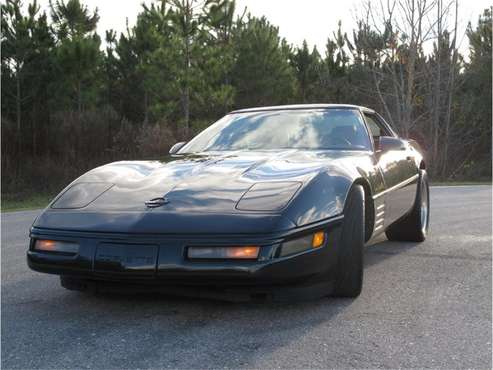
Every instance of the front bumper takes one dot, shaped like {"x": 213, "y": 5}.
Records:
{"x": 159, "y": 262}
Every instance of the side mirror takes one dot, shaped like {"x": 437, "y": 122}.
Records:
{"x": 175, "y": 148}
{"x": 389, "y": 143}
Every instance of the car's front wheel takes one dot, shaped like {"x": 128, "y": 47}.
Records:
{"x": 71, "y": 283}
{"x": 349, "y": 276}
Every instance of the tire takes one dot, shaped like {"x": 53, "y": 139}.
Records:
{"x": 71, "y": 283}
{"x": 414, "y": 226}
{"x": 349, "y": 274}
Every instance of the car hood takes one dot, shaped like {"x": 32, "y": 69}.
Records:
{"x": 199, "y": 183}
{"x": 192, "y": 185}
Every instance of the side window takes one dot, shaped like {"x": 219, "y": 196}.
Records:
{"x": 376, "y": 128}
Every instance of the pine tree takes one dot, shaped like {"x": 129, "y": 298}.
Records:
{"x": 78, "y": 56}
{"x": 262, "y": 74}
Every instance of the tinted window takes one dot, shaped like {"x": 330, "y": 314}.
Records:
{"x": 376, "y": 128}
{"x": 288, "y": 129}
{"x": 372, "y": 125}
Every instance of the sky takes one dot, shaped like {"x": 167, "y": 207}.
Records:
{"x": 298, "y": 20}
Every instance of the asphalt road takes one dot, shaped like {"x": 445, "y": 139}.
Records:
{"x": 423, "y": 305}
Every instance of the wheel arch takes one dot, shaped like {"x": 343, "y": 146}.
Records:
{"x": 369, "y": 207}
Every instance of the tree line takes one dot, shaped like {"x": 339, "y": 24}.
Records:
{"x": 71, "y": 101}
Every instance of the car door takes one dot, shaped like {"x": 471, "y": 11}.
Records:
{"x": 398, "y": 168}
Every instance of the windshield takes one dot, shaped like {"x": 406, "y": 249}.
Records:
{"x": 284, "y": 129}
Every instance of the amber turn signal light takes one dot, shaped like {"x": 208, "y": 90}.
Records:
{"x": 318, "y": 239}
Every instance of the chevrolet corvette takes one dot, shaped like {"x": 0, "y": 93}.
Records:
{"x": 266, "y": 203}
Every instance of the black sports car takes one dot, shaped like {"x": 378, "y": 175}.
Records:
{"x": 272, "y": 202}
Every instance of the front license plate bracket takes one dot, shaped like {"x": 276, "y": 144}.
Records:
{"x": 130, "y": 259}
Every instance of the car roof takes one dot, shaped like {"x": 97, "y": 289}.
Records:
{"x": 303, "y": 106}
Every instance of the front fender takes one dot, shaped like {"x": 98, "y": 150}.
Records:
{"x": 325, "y": 195}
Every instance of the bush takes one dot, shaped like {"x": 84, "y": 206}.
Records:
{"x": 77, "y": 143}
{"x": 155, "y": 140}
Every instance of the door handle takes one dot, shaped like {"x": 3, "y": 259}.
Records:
{"x": 409, "y": 158}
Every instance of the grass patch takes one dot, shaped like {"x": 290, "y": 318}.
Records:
{"x": 32, "y": 202}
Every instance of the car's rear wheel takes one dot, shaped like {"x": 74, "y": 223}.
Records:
{"x": 349, "y": 275}
{"x": 414, "y": 226}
